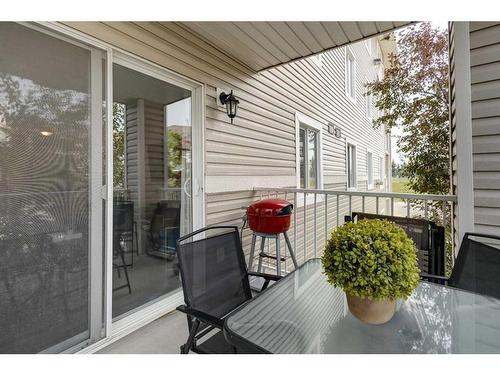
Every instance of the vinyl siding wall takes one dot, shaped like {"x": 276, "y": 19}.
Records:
{"x": 485, "y": 97}
{"x": 259, "y": 148}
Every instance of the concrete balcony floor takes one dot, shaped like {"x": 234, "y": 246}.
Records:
{"x": 162, "y": 336}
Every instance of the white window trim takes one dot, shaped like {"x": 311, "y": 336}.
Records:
{"x": 368, "y": 45}
{"x": 369, "y": 116}
{"x": 368, "y": 185}
{"x": 348, "y": 52}
{"x": 381, "y": 172}
{"x": 318, "y": 60}
{"x": 300, "y": 118}
{"x": 307, "y": 121}
{"x": 352, "y": 143}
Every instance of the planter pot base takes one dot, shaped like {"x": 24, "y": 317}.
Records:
{"x": 373, "y": 312}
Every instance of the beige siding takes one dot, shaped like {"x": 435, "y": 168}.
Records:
{"x": 260, "y": 145}
{"x": 485, "y": 96}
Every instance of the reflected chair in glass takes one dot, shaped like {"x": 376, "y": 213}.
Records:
{"x": 215, "y": 281}
{"x": 477, "y": 267}
{"x": 123, "y": 229}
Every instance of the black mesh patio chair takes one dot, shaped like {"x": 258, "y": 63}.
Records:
{"x": 477, "y": 267}
{"x": 215, "y": 282}
{"x": 428, "y": 237}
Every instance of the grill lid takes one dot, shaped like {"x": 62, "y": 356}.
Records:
{"x": 270, "y": 207}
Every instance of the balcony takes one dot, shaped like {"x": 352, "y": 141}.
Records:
{"x": 308, "y": 234}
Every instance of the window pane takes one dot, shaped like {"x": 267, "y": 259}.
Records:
{"x": 302, "y": 157}
{"x": 369, "y": 167}
{"x": 351, "y": 166}
{"x": 312, "y": 159}
{"x": 157, "y": 206}
{"x": 45, "y": 105}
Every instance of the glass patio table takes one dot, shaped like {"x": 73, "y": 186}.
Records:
{"x": 302, "y": 313}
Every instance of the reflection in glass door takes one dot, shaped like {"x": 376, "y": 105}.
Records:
{"x": 152, "y": 203}
{"x": 48, "y": 179}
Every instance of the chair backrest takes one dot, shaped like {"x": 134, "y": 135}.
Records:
{"x": 477, "y": 267}
{"x": 417, "y": 229}
{"x": 428, "y": 238}
{"x": 213, "y": 270}
{"x": 123, "y": 216}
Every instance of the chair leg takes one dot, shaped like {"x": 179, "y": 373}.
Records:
{"x": 192, "y": 332}
{"x": 265, "y": 285}
{"x": 125, "y": 272}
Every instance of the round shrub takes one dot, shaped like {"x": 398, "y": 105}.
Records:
{"x": 372, "y": 258}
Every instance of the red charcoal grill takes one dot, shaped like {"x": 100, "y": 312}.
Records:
{"x": 269, "y": 218}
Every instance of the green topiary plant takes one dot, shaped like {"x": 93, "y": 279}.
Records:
{"x": 372, "y": 259}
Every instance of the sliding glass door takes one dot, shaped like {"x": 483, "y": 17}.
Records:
{"x": 51, "y": 212}
{"x": 152, "y": 186}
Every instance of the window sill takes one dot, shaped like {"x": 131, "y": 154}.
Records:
{"x": 309, "y": 199}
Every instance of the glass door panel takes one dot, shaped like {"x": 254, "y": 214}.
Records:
{"x": 45, "y": 190}
{"x": 152, "y": 186}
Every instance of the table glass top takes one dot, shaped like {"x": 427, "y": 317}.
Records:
{"x": 304, "y": 314}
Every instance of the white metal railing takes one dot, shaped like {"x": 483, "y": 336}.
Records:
{"x": 330, "y": 206}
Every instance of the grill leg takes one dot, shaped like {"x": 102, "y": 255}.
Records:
{"x": 278, "y": 255}
{"x": 252, "y": 252}
{"x": 262, "y": 244}
{"x": 290, "y": 250}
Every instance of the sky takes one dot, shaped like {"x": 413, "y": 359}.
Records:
{"x": 397, "y": 157}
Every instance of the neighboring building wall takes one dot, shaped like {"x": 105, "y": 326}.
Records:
{"x": 260, "y": 148}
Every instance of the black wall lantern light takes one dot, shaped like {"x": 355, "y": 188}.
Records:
{"x": 231, "y": 103}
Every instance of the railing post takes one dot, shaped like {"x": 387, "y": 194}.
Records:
{"x": 408, "y": 207}
{"x": 350, "y": 204}
{"x": 337, "y": 210}
{"x": 315, "y": 230}
{"x": 326, "y": 218}
{"x": 426, "y": 213}
{"x": 305, "y": 226}
{"x": 363, "y": 204}
{"x": 392, "y": 206}
{"x": 376, "y": 205}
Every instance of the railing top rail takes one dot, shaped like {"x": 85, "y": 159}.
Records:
{"x": 356, "y": 193}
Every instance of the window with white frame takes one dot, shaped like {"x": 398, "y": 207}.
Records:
{"x": 369, "y": 168}
{"x": 308, "y": 152}
{"x": 309, "y": 157}
{"x": 351, "y": 165}
{"x": 350, "y": 74}
{"x": 369, "y": 105}
{"x": 381, "y": 168}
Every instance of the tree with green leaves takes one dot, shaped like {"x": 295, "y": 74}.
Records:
{"x": 413, "y": 95}
{"x": 118, "y": 145}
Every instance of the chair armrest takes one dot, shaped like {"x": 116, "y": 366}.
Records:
{"x": 266, "y": 276}
{"x": 424, "y": 275}
{"x": 201, "y": 316}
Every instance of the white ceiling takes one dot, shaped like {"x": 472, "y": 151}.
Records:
{"x": 262, "y": 45}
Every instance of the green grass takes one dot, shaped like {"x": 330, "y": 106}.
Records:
{"x": 400, "y": 185}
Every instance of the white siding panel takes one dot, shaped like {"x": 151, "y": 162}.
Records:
{"x": 485, "y": 90}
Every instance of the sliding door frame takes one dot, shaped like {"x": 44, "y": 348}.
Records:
{"x": 115, "y": 330}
